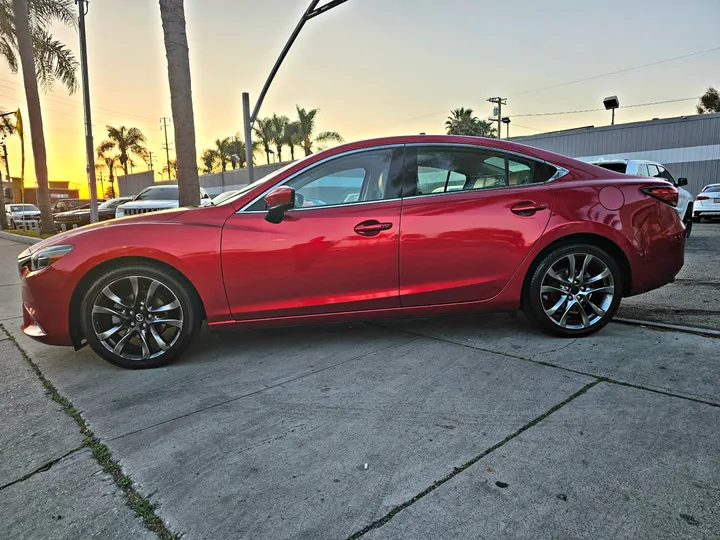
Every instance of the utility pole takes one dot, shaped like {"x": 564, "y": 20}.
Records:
{"x": 165, "y": 121}
{"x": 89, "y": 147}
{"x": 150, "y": 165}
{"x": 499, "y": 101}
{"x": 250, "y": 119}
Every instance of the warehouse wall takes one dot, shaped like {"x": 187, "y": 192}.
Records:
{"x": 688, "y": 145}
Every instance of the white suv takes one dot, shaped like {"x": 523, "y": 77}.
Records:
{"x": 641, "y": 167}
{"x": 707, "y": 203}
{"x": 154, "y": 198}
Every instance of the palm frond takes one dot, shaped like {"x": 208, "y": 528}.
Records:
{"x": 54, "y": 61}
{"x": 44, "y": 13}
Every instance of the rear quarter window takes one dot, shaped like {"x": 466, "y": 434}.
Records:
{"x": 615, "y": 167}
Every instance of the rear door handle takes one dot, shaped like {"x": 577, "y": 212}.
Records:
{"x": 527, "y": 208}
{"x": 371, "y": 227}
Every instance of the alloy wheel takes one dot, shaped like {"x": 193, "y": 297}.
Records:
{"x": 577, "y": 290}
{"x": 137, "y": 318}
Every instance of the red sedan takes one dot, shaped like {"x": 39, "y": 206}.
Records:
{"x": 400, "y": 226}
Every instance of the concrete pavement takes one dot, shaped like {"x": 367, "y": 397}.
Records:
{"x": 469, "y": 426}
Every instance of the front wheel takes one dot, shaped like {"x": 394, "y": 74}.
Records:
{"x": 140, "y": 316}
{"x": 688, "y": 220}
{"x": 575, "y": 291}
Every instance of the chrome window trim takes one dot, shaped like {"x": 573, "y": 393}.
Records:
{"x": 560, "y": 172}
{"x": 322, "y": 161}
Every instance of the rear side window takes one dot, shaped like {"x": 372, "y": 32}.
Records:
{"x": 432, "y": 170}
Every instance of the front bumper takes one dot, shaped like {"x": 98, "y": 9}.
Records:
{"x": 46, "y": 306}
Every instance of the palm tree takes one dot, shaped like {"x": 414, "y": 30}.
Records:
{"x": 306, "y": 121}
{"x": 462, "y": 121}
{"x": 264, "y": 130}
{"x": 24, "y": 34}
{"x": 223, "y": 149}
{"x": 126, "y": 141}
{"x": 209, "y": 158}
{"x": 173, "y": 171}
{"x": 107, "y": 157}
{"x": 237, "y": 148}
{"x": 293, "y": 137}
{"x": 172, "y": 13}
{"x": 279, "y": 127}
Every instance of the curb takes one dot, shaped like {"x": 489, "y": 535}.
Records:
{"x": 19, "y": 238}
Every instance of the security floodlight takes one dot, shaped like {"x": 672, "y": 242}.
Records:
{"x": 506, "y": 120}
{"x": 611, "y": 103}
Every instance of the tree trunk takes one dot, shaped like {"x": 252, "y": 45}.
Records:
{"x": 292, "y": 153}
{"x": 172, "y": 13}
{"x": 37, "y": 133}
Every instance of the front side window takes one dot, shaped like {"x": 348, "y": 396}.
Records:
{"x": 664, "y": 173}
{"x": 653, "y": 170}
{"x": 360, "y": 177}
{"x": 642, "y": 170}
{"x": 442, "y": 170}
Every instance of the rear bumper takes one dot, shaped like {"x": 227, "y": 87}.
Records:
{"x": 656, "y": 261}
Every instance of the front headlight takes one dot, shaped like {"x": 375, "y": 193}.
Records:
{"x": 45, "y": 257}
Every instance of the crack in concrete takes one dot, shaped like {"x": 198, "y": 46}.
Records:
{"x": 255, "y": 392}
{"x": 570, "y": 370}
{"x": 43, "y": 468}
{"x": 457, "y": 470}
{"x": 572, "y": 342}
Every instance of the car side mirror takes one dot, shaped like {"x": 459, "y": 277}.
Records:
{"x": 682, "y": 181}
{"x": 279, "y": 201}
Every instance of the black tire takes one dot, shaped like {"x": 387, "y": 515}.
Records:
{"x": 534, "y": 297}
{"x": 688, "y": 220}
{"x": 696, "y": 219}
{"x": 172, "y": 289}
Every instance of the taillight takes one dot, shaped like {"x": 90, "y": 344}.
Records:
{"x": 702, "y": 198}
{"x": 666, "y": 194}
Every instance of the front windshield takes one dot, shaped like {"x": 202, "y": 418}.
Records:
{"x": 165, "y": 193}
{"x": 23, "y": 208}
{"x": 265, "y": 179}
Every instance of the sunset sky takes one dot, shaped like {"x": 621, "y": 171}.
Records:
{"x": 381, "y": 67}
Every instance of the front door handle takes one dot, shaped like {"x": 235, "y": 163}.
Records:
{"x": 527, "y": 208}
{"x": 371, "y": 227}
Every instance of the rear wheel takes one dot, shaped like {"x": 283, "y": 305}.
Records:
{"x": 140, "y": 316}
{"x": 575, "y": 291}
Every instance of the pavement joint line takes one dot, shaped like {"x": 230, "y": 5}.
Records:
{"x": 261, "y": 390}
{"x": 457, "y": 470}
{"x": 563, "y": 368}
{"x": 705, "y": 332}
{"x": 46, "y": 467}
{"x": 139, "y": 504}
{"x": 10, "y": 284}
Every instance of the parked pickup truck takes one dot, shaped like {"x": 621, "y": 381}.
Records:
{"x": 154, "y": 198}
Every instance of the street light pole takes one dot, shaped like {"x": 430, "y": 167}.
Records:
{"x": 89, "y": 147}
{"x": 250, "y": 119}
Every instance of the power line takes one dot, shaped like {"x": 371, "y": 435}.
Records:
{"x": 617, "y": 72}
{"x": 71, "y": 102}
{"x": 595, "y": 110}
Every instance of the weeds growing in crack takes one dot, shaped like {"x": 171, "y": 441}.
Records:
{"x": 139, "y": 504}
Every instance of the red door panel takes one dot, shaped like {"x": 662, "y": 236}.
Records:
{"x": 317, "y": 260}
{"x": 465, "y": 246}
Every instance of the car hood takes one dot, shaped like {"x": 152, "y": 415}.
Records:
{"x": 75, "y": 235}
{"x": 26, "y": 213}
{"x": 71, "y": 213}
{"x": 150, "y": 204}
